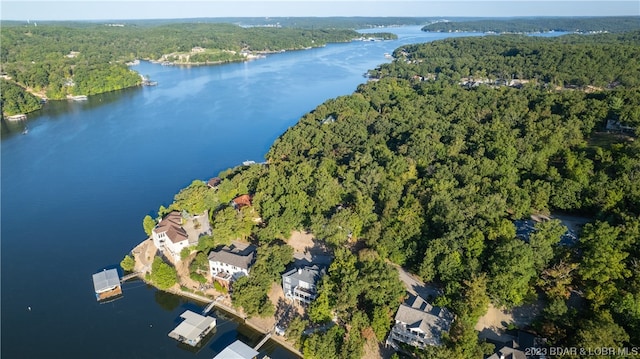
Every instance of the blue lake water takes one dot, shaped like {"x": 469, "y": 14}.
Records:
{"x": 76, "y": 187}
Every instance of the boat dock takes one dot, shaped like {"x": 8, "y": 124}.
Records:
{"x": 208, "y": 308}
{"x": 264, "y": 340}
{"x": 19, "y": 117}
{"x": 106, "y": 284}
{"x": 193, "y": 329}
{"x": 129, "y": 276}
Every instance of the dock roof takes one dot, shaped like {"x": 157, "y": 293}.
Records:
{"x": 106, "y": 280}
{"x": 193, "y": 326}
{"x": 237, "y": 350}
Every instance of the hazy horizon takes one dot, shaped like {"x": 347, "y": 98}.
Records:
{"x": 157, "y": 10}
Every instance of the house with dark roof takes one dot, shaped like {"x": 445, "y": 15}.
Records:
{"x": 214, "y": 182}
{"x": 419, "y": 324}
{"x": 524, "y": 346}
{"x": 231, "y": 262}
{"x": 299, "y": 284}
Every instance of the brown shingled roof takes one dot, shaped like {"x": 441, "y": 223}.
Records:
{"x": 214, "y": 182}
{"x": 171, "y": 224}
{"x": 242, "y": 201}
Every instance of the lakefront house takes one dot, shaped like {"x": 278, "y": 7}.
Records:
{"x": 231, "y": 262}
{"x": 176, "y": 231}
{"x": 299, "y": 284}
{"x": 419, "y": 324}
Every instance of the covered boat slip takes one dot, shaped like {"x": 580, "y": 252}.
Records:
{"x": 193, "y": 328}
{"x": 107, "y": 284}
{"x": 237, "y": 350}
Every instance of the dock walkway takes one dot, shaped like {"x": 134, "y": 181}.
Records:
{"x": 129, "y": 276}
{"x": 264, "y": 340}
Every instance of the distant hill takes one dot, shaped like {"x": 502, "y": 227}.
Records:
{"x": 540, "y": 24}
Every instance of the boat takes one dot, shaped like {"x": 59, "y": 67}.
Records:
{"x": 26, "y": 130}
{"x": 78, "y": 98}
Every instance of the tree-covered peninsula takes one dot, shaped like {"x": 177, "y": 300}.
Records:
{"x": 60, "y": 60}
{"x": 428, "y": 165}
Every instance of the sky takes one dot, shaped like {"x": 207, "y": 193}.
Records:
{"x": 162, "y": 9}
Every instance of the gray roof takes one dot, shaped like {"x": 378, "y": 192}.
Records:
{"x": 418, "y": 314}
{"x": 508, "y": 353}
{"x": 305, "y": 274}
{"x": 193, "y": 325}
{"x": 237, "y": 254}
{"x": 237, "y": 350}
{"x": 106, "y": 280}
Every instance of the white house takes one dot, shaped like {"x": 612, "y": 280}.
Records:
{"x": 174, "y": 232}
{"x": 231, "y": 262}
{"x": 168, "y": 235}
{"x": 419, "y": 324}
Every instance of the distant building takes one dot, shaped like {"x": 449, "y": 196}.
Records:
{"x": 107, "y": 284}
{"x": 300, "y": 283}
{"x": 241, "y": 202}
{"x": 419, "y": 324}
{"x": 214, "y": 182}
{"x": 237, "y": 350}
{"x": 231, "y": 262}
{"x": 193, "y": 328}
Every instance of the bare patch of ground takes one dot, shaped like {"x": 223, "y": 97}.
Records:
{"x": 495, "y": 322}
{"x": 308, "y": 250}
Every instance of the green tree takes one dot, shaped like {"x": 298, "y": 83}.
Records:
{"x": 603, "y": 261}
{"x": 148, "y": 224}
{"x": 163, "y": 275}
{"x": 320, "y": 309}
{"x": 542, "y": 241}
{"x": 511, "y": 269}
{"x": 128, "y": 263}
{"x": 295, "y": 330}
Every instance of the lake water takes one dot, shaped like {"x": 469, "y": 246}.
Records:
{"x": 76, "y": 187}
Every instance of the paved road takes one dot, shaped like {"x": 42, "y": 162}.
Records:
{"x": 414, "y": 285}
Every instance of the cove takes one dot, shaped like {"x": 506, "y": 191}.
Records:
{"x": 76, "y": 187}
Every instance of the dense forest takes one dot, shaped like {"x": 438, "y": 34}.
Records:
{"x": 55, "y": 61}
{"x": 418, "y": 170}
{"x": 541, "y": 24}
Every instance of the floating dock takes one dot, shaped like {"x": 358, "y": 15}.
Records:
{"x": 193, "y": 328}
{"x": 107, "y": 284}
{"x": 238, "y": 350}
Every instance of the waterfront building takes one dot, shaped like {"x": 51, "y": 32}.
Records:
{"x": 419, "y": 324}
{"x": 107, "y": 284}
{"x": 193, "y": 328}
{"x": 299, "y": 284}
{"x": 231, "y": 262}
{"x": 175, "y": 232}
{"x": 237, "y": 350}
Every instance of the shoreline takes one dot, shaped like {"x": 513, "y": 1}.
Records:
{"x": 205, "y": 300}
